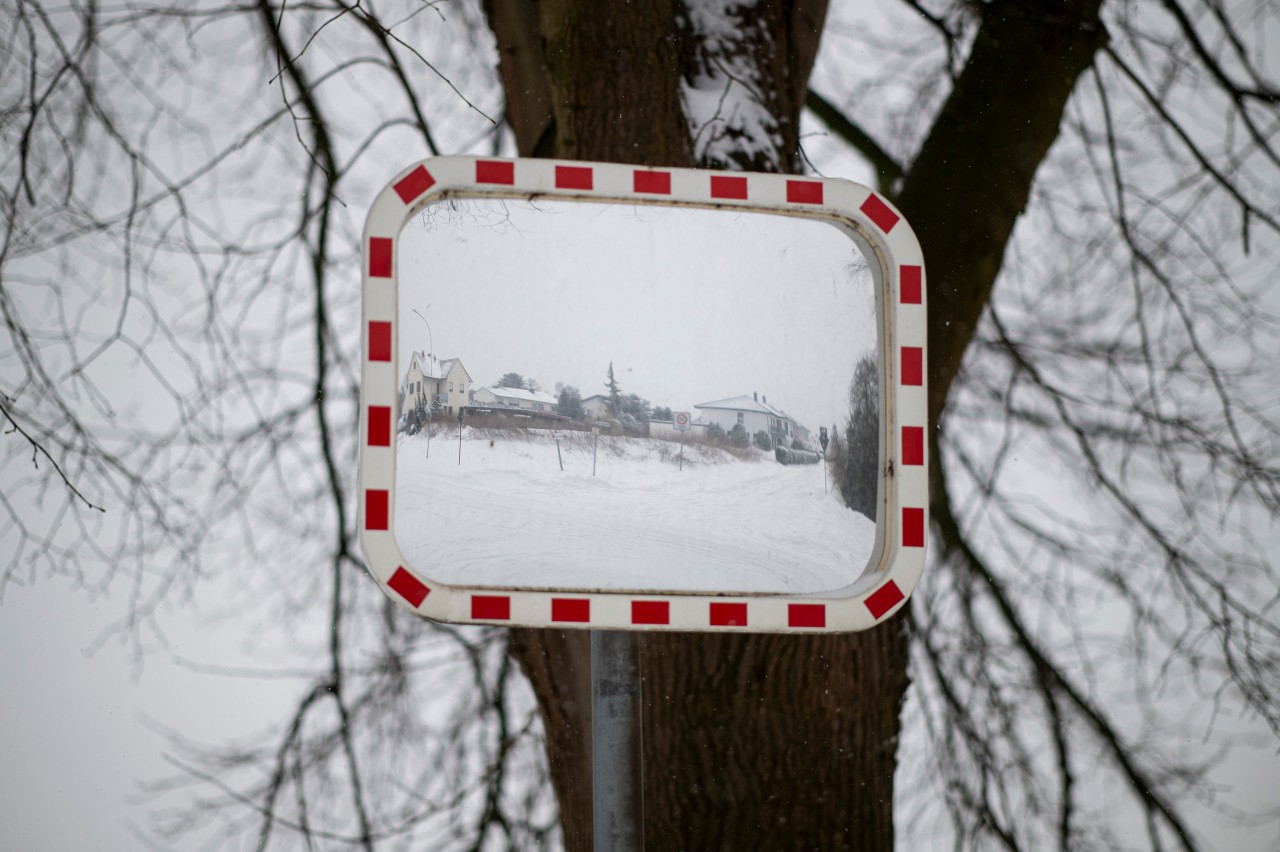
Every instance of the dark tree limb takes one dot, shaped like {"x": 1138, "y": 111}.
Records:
{"x": 888, "y": 170}
{"x": 966, "y": 188}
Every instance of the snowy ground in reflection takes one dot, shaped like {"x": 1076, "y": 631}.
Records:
{"x": 508, "y": 516}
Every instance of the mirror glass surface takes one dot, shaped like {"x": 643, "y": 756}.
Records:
{"x": 616, "y": 318}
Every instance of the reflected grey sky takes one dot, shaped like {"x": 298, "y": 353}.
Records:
{"x": 690, "y": 305}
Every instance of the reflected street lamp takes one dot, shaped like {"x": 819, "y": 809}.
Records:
{"x": 431, "y": 344}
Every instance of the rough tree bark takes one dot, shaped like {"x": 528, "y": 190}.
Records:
{"x": 755, "y": 741}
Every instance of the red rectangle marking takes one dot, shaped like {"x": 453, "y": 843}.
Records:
{"x": 571, "y": 609}
{"x": 883, "y": 599}
{"x": 655, "y": 182}
{"x": 806, "y": 615}
{"x": 728, "y": 187}
{"x": 495, "y": 171}
{"x": 728, "y": 615}
{"x": 574, "y": 177}
{"x": 379, "y": 426}
{"x": 910, "y": 289}
{"x": 375, "y": 509}
{"x": 913, "y": 445}
{"x": 912, "y": 366}
{"x": 414, "y": 184}
{"x": 491, "y": 607}
{"x": 379, "y": 341}
{"x": 804, "y": 192}
{"x": 879, "y": 213}
{"x": 912, "y": 527}
{"x": 650, "y": 612}
{"x": 408, "y": 587}
{"x": 380, "y": 254}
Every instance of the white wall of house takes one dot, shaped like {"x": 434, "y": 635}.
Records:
{"x": 755, "y": 415}
{"x": 455, "y": 384}
{"x": 414, "y": 389}
{"x": 752, "y": 421}
{"x": 596, "y": 407}
{"x": 484, "y": 396}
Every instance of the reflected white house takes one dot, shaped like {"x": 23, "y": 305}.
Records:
{"x": 755, "y": 414}
{"x": 439, "y": 385}
{"x": 596, "y": 407}
{"x": 519, "y": 398}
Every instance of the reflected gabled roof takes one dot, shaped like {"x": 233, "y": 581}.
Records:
{"x": 437, "y": 369}
{"x": 517, "y": 393}
{"x": 743, "y": 403}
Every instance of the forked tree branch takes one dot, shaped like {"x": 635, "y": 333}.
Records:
{"x": 888, "y": 170}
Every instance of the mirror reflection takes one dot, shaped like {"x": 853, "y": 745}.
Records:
{"x": 603, "y": 396}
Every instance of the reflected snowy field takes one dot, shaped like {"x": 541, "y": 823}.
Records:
{"x": 508, "y": 516}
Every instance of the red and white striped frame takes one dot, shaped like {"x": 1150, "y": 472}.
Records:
{"x": 898, "y": 269}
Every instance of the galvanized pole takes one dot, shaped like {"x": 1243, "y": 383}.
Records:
{"x": 616, "y": 762}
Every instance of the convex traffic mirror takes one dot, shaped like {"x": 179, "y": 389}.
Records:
{"x": 595, "y": 396}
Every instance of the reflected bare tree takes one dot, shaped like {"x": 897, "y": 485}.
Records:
{"x": 1095, "y": 188}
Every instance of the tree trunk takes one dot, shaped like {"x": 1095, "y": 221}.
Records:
{"x": 750, "y": 741}
{"x": 762, "y": 741}
{"x": 772, "y": 742}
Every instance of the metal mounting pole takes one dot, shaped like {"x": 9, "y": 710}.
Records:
{"x": 616, "y": 762}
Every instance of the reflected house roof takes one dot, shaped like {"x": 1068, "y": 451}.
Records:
{"x": 518, "y": 394}
{"x": 435, "y": 369}
{"x": 747, "y": 402}
{"x": 743, "y": 403}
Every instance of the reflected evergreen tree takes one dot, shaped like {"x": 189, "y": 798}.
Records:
{"x": 615, "y": 392}
{"x": 569, "y": 403}
{"x": 860, "y": 453}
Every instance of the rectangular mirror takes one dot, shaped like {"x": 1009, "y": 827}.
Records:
{"x": 569, "y": 334}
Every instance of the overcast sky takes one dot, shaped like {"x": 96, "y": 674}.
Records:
{"x": 689, "y": 305}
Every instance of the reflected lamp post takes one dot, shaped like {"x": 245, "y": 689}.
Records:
{"x": 431, "y": 347}
{"x": 431, "y": 343}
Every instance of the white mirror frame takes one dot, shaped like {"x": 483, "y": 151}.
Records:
{"x": 897, "y": 267}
